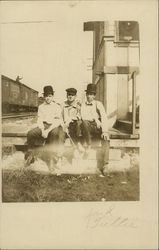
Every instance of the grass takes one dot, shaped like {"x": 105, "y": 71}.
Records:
{"x": 28, "y": 186}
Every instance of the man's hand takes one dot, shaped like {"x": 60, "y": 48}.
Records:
{"x": 98, "y": 123}
{"x": 66, "y": 124}
{"x": 46, "y": 125}
{"x": 45, "y": 133}
{"x": 105, "y": 136}
{"x": 65, "y": 127}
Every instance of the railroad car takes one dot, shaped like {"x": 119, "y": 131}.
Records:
{"x": 17, "y": 97}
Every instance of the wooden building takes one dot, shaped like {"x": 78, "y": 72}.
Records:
{"x": 116, "y": 53}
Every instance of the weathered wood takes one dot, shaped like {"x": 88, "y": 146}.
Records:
{"x": 13, "y": 134}
{"x": 124, "y": 136}
{"x": 134, "y": 103}
{"x": 125, "y": 143}
{"x": 120, "y": 70}
{"x": 112, "y": 136}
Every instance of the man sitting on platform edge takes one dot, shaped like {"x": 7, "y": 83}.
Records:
{"x": 72, "y": 117}
{"x": 95, "y": 125}
{"x": 49, "y": 125}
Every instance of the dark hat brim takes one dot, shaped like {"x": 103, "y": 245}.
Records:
{"x": 90, "y": 91}
{"x": 72, "y": 93}
{"x": 48, "y": 93}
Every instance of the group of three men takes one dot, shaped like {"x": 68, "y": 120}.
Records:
{"x": 82, "y": 122}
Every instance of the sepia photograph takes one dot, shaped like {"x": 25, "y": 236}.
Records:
{"x": 78, "y": 123}
{"x": 70, "y": 109}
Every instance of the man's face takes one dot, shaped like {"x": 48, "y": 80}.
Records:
{"x": 90, "y": 96}
{"x": 49, "y": 98}
{"x": 71, "y": 97}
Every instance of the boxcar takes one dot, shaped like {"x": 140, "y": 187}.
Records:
{"x": 17, "y": 96}
{"x": 33, "y": 100}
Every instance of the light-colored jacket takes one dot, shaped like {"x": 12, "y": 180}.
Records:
{"x": 71, "y": 111}
{"x": 95, "y": 111}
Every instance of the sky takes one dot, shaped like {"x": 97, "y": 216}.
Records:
{"x": 56, "y": 52}
{"x": 44, "y": 41}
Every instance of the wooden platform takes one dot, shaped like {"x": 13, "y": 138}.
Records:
{"x": 114, "y": 134}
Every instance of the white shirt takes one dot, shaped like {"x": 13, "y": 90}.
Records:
{"x": 50, "y": 113}
{"x": 93, "y": 111}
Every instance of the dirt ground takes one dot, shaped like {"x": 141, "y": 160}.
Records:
{"x": 23, "y": 185}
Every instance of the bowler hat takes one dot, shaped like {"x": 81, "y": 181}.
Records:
{"x": 48, "y": 90}
{"x": 72, "y": 91}
{"x": 91, "y": 88}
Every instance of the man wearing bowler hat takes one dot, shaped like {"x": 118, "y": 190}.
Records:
{"x": 71, "y": 116}
{"x": 94, "y": 124}
{"x": 49, "y": 125}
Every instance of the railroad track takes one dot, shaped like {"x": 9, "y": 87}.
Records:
{"x": 8, "y": 116}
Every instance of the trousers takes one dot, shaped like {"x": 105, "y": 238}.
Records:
{"x": 75, "y": 131}
{"x": 91, "y": 133}
{"x": 34, "y": 137}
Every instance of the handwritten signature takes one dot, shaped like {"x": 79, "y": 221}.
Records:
{"x": 107, "y": 218}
